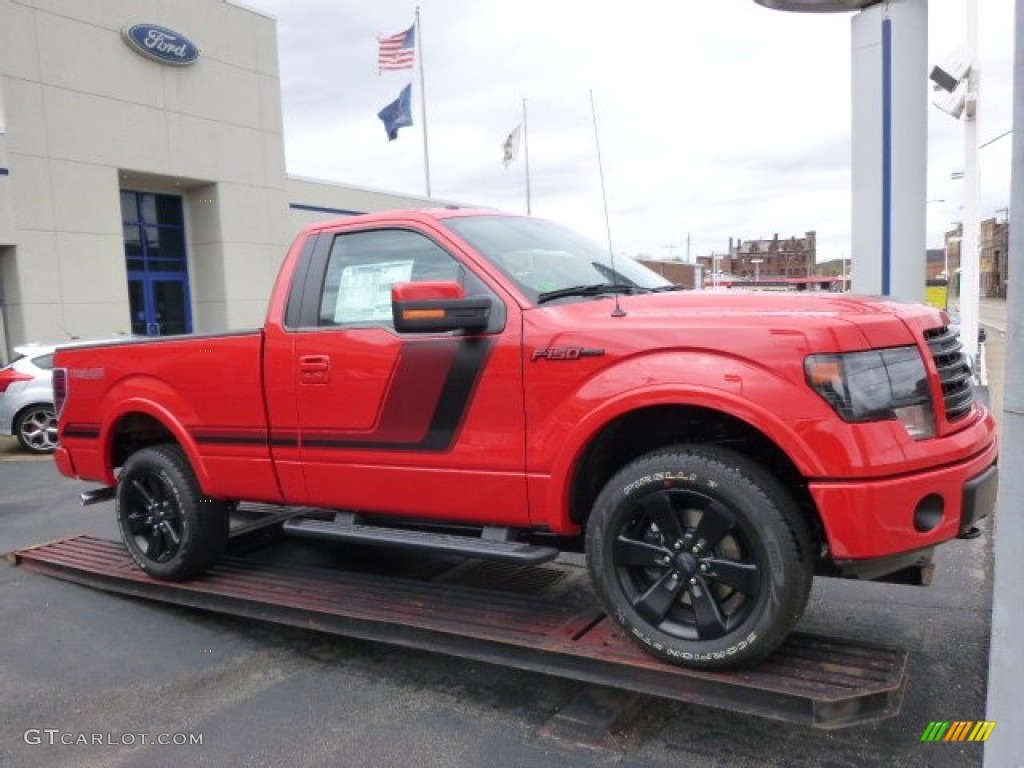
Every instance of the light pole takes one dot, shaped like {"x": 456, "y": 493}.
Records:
{"x": 970, "y": 303}
{"x": 958, "y": 77}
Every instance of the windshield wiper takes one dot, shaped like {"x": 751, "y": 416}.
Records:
{"x": 587, "y": 290}
{"x": 663, "y": 288}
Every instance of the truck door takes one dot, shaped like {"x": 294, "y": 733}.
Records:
{"x": 430, "y": 425}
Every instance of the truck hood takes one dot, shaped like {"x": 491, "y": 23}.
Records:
{"x": 853, "y": 321}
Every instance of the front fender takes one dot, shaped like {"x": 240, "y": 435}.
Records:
{"x": 763, "y": 399}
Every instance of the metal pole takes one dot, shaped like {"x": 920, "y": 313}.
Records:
{"x": 1006, "y": 674}
{"x": 526, "y": 157}
{"x": 970, "y": 268}
{"x": 889, "y": 148}
{"x": 423, "y": 101}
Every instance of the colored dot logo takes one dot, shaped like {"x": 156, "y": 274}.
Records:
{"x": 958, "y": 730}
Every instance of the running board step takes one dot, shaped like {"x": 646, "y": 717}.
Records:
{"x": 437, "y": 543}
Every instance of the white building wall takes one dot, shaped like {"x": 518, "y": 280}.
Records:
{"x": 312, "y": 200}
{"x": 88, "y": 116}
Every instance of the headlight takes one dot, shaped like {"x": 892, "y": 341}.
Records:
{"x": 876, "y": 385}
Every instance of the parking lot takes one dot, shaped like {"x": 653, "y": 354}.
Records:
{"x": 80, "y": 662}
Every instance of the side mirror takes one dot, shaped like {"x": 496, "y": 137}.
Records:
{"x": 438, "y": 306}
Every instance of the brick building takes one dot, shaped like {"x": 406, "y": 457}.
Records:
{"x": 993, "y": 245}
{"x": 774, "y": 257}
{"x": 678, "y": 272}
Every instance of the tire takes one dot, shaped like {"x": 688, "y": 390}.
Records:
{"x": 700, "y": 555}
{"x": 36, "y": 428}
{"x": 170, "y": 529}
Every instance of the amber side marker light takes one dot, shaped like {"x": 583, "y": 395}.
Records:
{"x": 423, "y": 314}
{"x": 824, "y": 372}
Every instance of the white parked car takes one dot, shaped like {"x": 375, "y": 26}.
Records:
{"x": 26, "y": 399}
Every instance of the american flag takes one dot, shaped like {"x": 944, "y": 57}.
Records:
{"x": 397, "y": 51}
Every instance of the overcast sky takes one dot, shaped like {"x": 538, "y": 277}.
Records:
{"x": 717, "y": 119}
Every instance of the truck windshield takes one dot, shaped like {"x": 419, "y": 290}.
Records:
{"x": 545, "y": 259}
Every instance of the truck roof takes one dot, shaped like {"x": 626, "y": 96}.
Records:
{"x": 415, "y": 214}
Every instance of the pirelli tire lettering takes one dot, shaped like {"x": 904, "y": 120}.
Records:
{"x": 660, "y": 648}
{"x": 665, "y": 477}
{"x": 700, "y": 555}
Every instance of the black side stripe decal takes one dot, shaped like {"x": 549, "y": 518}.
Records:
{"x": 83, "y": 431}
{"x": 449, "y": 412}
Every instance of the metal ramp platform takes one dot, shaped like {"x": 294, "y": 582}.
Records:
{"x": 539, "y": 618}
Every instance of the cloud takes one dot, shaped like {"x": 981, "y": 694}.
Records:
{"x": 716, "y": 120}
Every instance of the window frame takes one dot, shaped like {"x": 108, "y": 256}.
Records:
{"x": 314, "y": 276}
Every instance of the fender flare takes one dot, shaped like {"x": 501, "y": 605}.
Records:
{"x": 733, "y": 404}
{"x": 151, "y": 402}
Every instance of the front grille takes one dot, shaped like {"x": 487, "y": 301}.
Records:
{"x": 954, "y": 372}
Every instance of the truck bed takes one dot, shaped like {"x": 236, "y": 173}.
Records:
{"x": 193, "y": 386}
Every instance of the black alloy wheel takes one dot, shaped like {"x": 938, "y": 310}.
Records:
{"x": 686, "y": 566}
{"x": 700, "y": 555}
{"x": 170, "y": 529}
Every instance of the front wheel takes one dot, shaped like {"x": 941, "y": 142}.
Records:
{"x": 700, "y": 555}
{"x": 170, "y": 529}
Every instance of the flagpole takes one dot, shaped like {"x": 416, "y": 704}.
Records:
{"x": 423, "y": 100}
{"x": 526, "y": 153}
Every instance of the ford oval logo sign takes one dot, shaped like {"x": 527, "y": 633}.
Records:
{"x": 160, "y": 44}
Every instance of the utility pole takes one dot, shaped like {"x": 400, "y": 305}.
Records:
{"x": 970, "y": 263}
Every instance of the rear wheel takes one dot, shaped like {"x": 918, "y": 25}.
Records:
{"x": 700, "y": 555}
{"x": 170, "y": 529}
{"x": 36, "y": 428}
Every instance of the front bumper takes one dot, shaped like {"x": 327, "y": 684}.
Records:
{"x": 878, "y": 518}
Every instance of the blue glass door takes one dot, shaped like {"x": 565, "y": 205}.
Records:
{"x": 154, "y": 247}
{"x": 159, "y": 304}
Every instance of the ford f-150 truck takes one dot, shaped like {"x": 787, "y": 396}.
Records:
{"x": 495, "y": 386}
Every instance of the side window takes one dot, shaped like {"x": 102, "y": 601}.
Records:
{"x": 363, "y": 266}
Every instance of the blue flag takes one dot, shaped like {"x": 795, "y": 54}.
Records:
{"x": 397, "y": 114}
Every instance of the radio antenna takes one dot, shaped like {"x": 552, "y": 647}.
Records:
{"x": 618, "y": 311}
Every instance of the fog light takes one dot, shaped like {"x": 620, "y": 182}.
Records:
{"x": 929, "y": 513}
{"x": 918, "y": 420}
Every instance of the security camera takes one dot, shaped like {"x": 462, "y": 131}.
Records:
{"x": 951, "y": 71}
{"x": 952, "y": 103}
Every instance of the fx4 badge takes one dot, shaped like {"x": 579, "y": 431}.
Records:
{"x": 564, "y": 353}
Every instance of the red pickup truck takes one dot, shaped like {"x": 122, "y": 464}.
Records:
{"x": 493, "y": 385}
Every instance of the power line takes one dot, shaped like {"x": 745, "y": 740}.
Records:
{"x": 997, "y": 138}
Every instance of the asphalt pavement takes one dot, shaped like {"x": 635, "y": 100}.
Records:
{"x": 79, "y": 664}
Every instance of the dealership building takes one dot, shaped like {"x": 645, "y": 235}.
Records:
{"x": 143, "y": 187}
